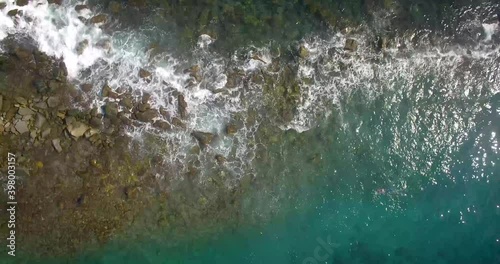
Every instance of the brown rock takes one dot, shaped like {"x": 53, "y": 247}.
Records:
{"x": 231, "y": 129}
{"x": 98, "y": 19}
{"x": 22, "y": 2}
{"x": 351, "y": 45}
{"x": 182, "y": 106}
{"x": 79, "y": 8}
{"x": 144, "y": 74}
{"x": 146, "y": 116}
{"x": 77, "y": 129}
{"x": 162, "y": 125}
{"x": 86, "y": 87}
{"x": 220, "y": 159}
{"x": 178, "y": 123}
{"x": 3, "y": 5}
{"x": 12, "y": 12}
{"x": 203, "y": 138}
{"x": 56, "y": 143}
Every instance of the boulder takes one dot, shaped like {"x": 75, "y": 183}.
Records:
{"x": 351, "y": 45}
{"x": 203, "y": 138}
{"x": 127, "y": 102}
{"x": 56, "y": 143}
{"x": 146, "y": 116}
{"x": 182, "y": 106}
{"x": 80, "y": 48}
{"x": 145, "y": 98}
{"x": 111, "y": 109}
{"x": 3, "y": 5}
{"x": 162, "y": 125}
{"x": 22, "y": 2}
{"x": 21, "y": 126}
{"x": 12, "y": 12}
{"x": 303, "y": 52}
{"x": 194, "y": 72}
{"x": 143, "y": 107}
{"x": 79, "y": 8}
{"x": 77, "y": 129}
{"x": 231, "y": 129}
{"x": 24, "y": 111}
{"x": 98, "y": 19}
{"x": 108, "y": 92}
{"x": 95, "y": 122}
{"x": 86, "y": 87}
{"x": 40, "y": 121}
{"x": 144, "y": 74}
{"x": 220, "y": 159}
{"x": 53, "y": 102}
{"x": 178, "y": 123}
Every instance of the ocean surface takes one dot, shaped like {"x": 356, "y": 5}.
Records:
{"x": 390, "y": 157}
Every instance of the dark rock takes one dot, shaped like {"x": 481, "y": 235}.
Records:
{"x": 115, "y": 7}
{"x": 111, "y": 110}
{"x": 101, "y": 18}
{"x": 80, "y": 48}
{"x": 108, "y": 92}
{"x": 203, "y": 138}
{"x": 220, "y": 159}
{"x": 194, "y": 72}
{"x": 351, "y": 45}
{"x": 86, "y": 87}
{"x": 1, "y": 102}
{"x": 144, "y": 74}
{"x": 12, "y": 12}
{"x": 127, "y": 102}
{"x": 3, "y": 5}
{"x": 95, "y": 122}
{"x": 231, "y": 129}
{"x": 182, "y": 106}
{"x": 79, "y": 8}
{"x": 143, "y": 107}
{"x": 145, "y": 98}
{"x": 22, "y": 2}
{"x": 178, "y": 123}
{"x": 56, "y": 143}
{"x": 162, "y": 125}
{"x": 146, "y": 116}
{"x": 57, "y": 2}
{"x": 23, "y": 54}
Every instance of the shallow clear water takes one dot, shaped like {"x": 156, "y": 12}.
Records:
{"x": 395, "y": 162}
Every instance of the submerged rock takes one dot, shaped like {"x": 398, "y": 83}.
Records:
{"x": 80, "y": 48}
{"x": 182, "y": 106}
{"x": 220, "y": 159}
{"x": 146, "y": 116}
{"x": 98, "y": 19}
{"x": 144, "y": 74}
{"x": 204, "y": 138}
{"x": 351, "y": 45}
{"x": 303, "y": 52}
{"x": 231, "y": 129}
{"x": 79, "y": 8}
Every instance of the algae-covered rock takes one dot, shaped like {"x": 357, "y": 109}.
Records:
{"x": 204, "y": 138}
{"x": 146, "y": 116}
{"x": 99, "y": 19}
{"x": 303, "y": 52}
{"x": 351, "y": 45}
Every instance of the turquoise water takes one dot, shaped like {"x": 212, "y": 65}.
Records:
{"x": 433, "y": 153}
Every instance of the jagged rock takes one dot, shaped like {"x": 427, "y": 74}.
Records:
{"x": 77, "y": 129}
{"x": 194, "y": 72}
{"x": 22, "y": 2}
{"x": 351, "y": 45}
{"x": 231, "y": 129}
{"x": 303, "y": 52}
{"x": 41, "y": 105}
{"x": 101, "y": 18}
{"x": 21, "y": 126}
{"x": 80, "y": 48}
{"x": 95, "y": 122}
{"x": 86, "y": 87}
{"x": 24, "y": 111}
{"x": 21, "y": 100}
{"x": 178, "y": 123}
{"x": 203, "y": 138}
{"x": 79, "y": 8}
{"x": 115, "y": 7}
{"x": 127, "y": 102}
{"x": 162, "y": 125}
{"x": 40, "y": 121}
{"x": 56, "y": 143}
{"x": 143, "y": 107}
{"x": 182, "y": 106}
{"x": 144, "y": 74}
{"x": 111, "y": 109}
{"x": 220, "y": 159}
{"x": 108, "y": 92}
{"x": 46, "y": 132}
{"x": 12, "y": 12}
{"x": 53, "y": 101}
{"x": 146, "y": 116}
{"x": 145, "y": 98}
{"x": 40, "y": 86}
